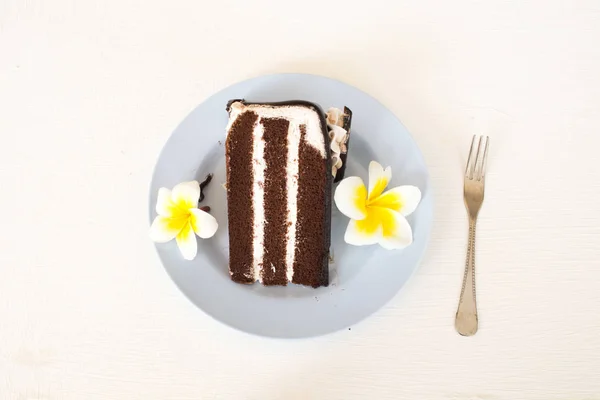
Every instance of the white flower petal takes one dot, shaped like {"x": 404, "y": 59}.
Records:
{"x": 186, "y": 241}
{"x": 186, "y": 195}
{"x": 204, "y": 224}
{"x": 378, "y": 179}
{"x": 164, "y": 229}
{"x": 410, "y": 197}
{"x": 164, "y": 203}
{"x": 350, "y": 198}
{"x": 397, "y": 234}
{"x": 384, "y": 226}
{"x": 357, "y": 236}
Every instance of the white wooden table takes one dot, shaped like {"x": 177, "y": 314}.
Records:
{"x": 90, "y": 91}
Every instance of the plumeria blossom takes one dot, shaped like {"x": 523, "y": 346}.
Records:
{"x": 377, "y": 216}
{"x": 179, "y": 218}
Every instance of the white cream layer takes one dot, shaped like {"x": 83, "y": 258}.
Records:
{"x": 259, "y": 167}
{"x": 296, "y": 115}
{"x": 294, "y": 136}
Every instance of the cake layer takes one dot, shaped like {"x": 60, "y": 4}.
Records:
{"x": 274, "y": 271}
{"x": 288, "y": 184}
{"x": 240, "y": 192}
{"x": 311, "y": 262}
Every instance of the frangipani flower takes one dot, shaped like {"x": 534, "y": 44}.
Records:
{"x": 375, "y": 216}
{"x": 179, "y": 218}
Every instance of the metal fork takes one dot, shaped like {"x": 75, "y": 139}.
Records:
{"x": 466, "y": 315}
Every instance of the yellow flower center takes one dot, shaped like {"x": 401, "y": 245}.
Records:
{"x": 379, "y": 209}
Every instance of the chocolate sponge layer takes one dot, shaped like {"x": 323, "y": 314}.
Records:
{"x": 311, "y": 263}
{"x": 239, "y": 197}
{"x": 274, "y": 260}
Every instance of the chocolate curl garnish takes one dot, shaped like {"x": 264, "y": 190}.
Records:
{"x": 203, "y": 184}
{"x": 344, "y": 153}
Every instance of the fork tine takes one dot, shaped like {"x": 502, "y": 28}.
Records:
{"x": 470, "y": 160}
{"x": 484, "y": 161}
{"x": 481, "y": 174}
{"x": 478, "y": 160}
{"x": 479, "y": 171}
{"x": 478, "y": 157}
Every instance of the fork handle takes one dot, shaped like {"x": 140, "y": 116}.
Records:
{"x": 466, "y": 315}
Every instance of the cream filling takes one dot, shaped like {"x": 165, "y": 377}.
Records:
{"x": 258, "y": 161}
{"x": 295, "y": 114}
{"x": 294, "y": 137}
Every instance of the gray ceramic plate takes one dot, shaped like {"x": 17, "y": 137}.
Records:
{"x": 362, "y": 279}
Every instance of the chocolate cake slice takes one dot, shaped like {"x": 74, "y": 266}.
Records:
{"x": 278, "y": 193}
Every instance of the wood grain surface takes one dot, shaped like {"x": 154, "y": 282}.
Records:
{"x": 89, "y": 93}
